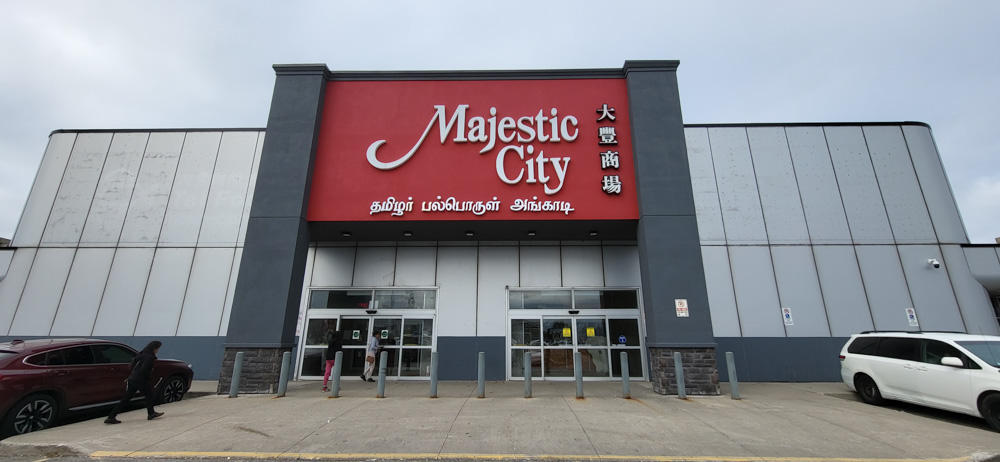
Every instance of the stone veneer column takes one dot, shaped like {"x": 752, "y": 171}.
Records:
{"x": 670, "y": 262}
{"x": 269, "y": 287}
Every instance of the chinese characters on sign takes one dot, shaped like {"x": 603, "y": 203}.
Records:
{"x": 610, "y": 184}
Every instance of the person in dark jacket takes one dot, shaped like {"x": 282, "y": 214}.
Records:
{"x": 333, "y": 345}
{"x": 138, "y": 380}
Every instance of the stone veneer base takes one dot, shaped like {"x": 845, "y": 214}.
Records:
{"x": 701, "y": 374}
{"x": 260, "y": 373}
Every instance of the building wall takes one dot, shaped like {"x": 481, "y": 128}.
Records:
{"x": 472, "y": 280}
{"x": 836, "y": 222}
{"x": 134, "y": 235}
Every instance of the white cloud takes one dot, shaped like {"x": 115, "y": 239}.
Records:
{"x": 185, "y": 63}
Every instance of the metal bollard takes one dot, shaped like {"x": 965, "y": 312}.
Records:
{"x": 434, "y": 374}
{"x": 338, "y": 363}
{"x": 734, "y": 384}
{"x": 527, "y": 374}
{"x": 286, "y": 360}
{"x": 234, "y": 387}
{"x": 383, "y": 359}
{"x": 578, "y": 373}
{"x": 481, "y": 389}
{"x": 626, "y": 386}
{"x": 679, "y": 370}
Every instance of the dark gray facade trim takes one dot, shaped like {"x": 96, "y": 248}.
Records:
{"x": 519, "y": 74}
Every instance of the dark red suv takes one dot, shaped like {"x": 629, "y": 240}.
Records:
{"x": 42, "y": 379}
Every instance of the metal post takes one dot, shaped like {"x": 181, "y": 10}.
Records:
{"x": 679, "y": 370}
{"x": 383, "y": 359}
{"x": 338, "y": 363}
{"x": 481, "y": 390}
{"x": 527, "y": 374}
{"x": 734, "y": 384}
{"x": 234, "y": 387}
{"x": 286, "y": 360}
{"x": 434, "y": 374}
{"x": 626, "y": 386}
{"x": 578, "y": 373}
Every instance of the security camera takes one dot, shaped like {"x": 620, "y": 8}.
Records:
{"x": 934, "y": 262}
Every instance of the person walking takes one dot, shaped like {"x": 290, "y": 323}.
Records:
{"x": 333, "y": 345}
{"x": 138, "y": 380}
{"x": 370, "y": 357}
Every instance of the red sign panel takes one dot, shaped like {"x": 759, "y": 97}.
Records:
{"x": 474, "y": 150}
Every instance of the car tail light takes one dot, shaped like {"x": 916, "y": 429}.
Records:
{"x": 841, "y": 357}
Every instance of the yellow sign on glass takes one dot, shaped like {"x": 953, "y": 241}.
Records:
{"x": 590, "y": 332}
{"x": 567, "y": 332}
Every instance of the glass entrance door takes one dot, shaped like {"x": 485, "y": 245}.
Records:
{"x": 408, "y": 342}
{"x": 551, "y": 342}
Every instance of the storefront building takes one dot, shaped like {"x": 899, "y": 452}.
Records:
{"x": 530, "y": 215}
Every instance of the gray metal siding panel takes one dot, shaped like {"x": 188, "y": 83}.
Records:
{"x": 43, "y": 192}
{"x": 164, "y": 298}
{"x": 251, "y": 187}
{"x": 721, "y": 297}
{"x": 973, "y": 300}
{"x": 706, "y": 192}
{"x": 415, "y": 266}
{"x": 582, "y": 266}
{"x": 885, "y": 286}
{"x": 375, "y": 266}
{"x": 779, "y": 193}
{"x": 936, "y": 190}
{"x": 498, "y": 269}
{"x": 799, "y": 290}
{"x": 817, "y": 185}
{"x": 42, "y": 292}
{"x": 186, "y": 207}
{"x": 230, "y": 294}
{"x": 930, "y": 288}
{"x": 756, "y": 294}
{"x": 76, "y": 192}
{"x": 798, "y": 359}
{"x": 84, "y": 291}
{"x": 540, "y": 266}
{"x": 456, "y": 276}
{"x": 984, "y": 263}
{"x": 333, "y": 267}
{"x": 621, "y": 266}
{"x": 858, "y": 186}
{"x": 459, "y": 357}
{"x": 206, "y": 292}
{"x": 123, "y": 295}
{"x": 6, "y": 256}
{"x": 897, "y": 180}
{"x": 228, "y": 192}
{"x": 843, "y": 291}
{"x": 152, "y": 189}
{"x": 114, "y": 190}
{"x": 12, "y": 285}
{"x": 742, "y": 215}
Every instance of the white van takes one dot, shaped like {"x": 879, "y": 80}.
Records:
{"x": 951, "y": 371}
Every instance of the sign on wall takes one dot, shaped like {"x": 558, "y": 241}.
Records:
{"x": 474, "y": 150}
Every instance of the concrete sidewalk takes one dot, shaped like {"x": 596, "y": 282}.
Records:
{"x": 815, "y": 421}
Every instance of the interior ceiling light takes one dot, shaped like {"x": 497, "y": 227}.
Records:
{"x": 470, "y": 233}
{"x": 346, "y": 234}
{"x": 593, "y": 233}
{"x": 407, "y": 233}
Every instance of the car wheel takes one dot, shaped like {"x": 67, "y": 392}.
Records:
{"x": 868, "y": 390}
{"x": 36, "y": 412}
{"x": 173, "y": 390}
{"x": 990, "y": 408}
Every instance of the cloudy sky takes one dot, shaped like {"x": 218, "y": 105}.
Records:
{"x": 196, "y": 64}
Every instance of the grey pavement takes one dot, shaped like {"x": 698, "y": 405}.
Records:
{"x": 773, "y": 421}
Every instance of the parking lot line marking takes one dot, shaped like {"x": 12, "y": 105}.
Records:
{"x": 433, "y": 456}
